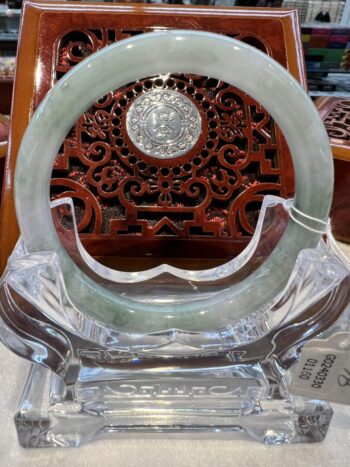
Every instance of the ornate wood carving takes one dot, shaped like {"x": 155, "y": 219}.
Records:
{"x": 127, "y": 202}
{"x": 335, "y": 113}
{"x": 213, "y": 191}
{"x": 337, "y": 121}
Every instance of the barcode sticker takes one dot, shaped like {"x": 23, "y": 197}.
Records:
{"x": 323, "y": 371}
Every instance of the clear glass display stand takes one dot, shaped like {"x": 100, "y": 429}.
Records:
{"x": 89, "y": 380}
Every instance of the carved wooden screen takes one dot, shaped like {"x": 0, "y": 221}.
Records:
{"x": 203, "y": 203}
{"x": 335, "y": 113}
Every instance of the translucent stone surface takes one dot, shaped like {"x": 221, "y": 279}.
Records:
{"x": 173, "y": 52}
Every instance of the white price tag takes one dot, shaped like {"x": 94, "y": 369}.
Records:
{"x": 323, "y": 371}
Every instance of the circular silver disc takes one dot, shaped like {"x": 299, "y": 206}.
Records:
{"x": 163, "y": 124}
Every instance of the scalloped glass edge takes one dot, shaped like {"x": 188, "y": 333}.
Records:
{"x": 270, "y": 218}
{"x": 37, "y": 279}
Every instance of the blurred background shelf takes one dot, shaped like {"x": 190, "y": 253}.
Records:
{"x": 8, "y": 37}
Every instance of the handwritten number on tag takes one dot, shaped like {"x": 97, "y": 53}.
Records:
{"x": 344, "y": 380}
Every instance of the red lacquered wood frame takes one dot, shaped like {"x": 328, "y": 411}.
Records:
{"x": 4, "y": 134}
{"x": 237, "y": 131}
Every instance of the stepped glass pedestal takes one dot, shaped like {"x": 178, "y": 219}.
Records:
{"x": 88, "y": 381}
{"x": 169, "y": 349}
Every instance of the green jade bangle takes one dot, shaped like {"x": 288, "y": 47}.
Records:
{"x": 166, "y": 52}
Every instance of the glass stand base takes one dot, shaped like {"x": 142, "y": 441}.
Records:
{"x": 235, "y": 398}
{"x": 90, "y": 380}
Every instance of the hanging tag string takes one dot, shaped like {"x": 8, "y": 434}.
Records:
{"x": 309, "y": 222}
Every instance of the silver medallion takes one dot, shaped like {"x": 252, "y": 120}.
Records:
{"x": 163, "y": 124}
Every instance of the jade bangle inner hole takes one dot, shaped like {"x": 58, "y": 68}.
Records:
{"x": 153, "y": 172}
